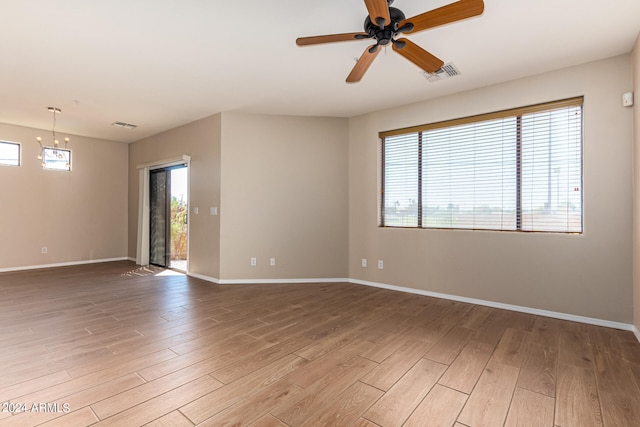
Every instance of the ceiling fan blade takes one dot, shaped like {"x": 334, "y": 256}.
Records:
{"x": 378, "y": 11}
{"x": 363, "y": 64}
{"x": 418, "y": 55}
{"x": 331, "y": 38}
{"x": 444, "y": 15}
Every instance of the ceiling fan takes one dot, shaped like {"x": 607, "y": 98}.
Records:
{"x": 384, "y": 23}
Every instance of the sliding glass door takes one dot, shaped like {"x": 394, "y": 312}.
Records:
{"x": 168, "y": 217}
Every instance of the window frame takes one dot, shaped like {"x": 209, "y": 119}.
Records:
{"x": 516, "y": 113}
{"x": 19, "y": 153}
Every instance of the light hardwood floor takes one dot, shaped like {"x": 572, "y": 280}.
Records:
{"x": 126, "y": 346}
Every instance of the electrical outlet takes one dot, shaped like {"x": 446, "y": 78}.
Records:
{"x": 272, "y": 262}
{"x": 196, "y": 211}
{"x": 254, "y": 262}
{"x": 364, "y": 262}
{"x": 380, "y": 264}
{"x": 44, "y": 250}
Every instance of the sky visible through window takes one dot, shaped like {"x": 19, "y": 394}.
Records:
{"x": 9, "y": 153}
{"x": 179, "y": 184}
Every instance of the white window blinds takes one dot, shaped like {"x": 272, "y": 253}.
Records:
{"x": 518, "y": 170}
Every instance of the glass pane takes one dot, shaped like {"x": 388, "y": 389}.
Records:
{"x": 469, "y": 176}
{"x": 178, "y": 237}
{"x": 401, "y": 181}
{"x": 158, "y": 217}
{"x": 552, "y": 171}
{"x": 56, "y": 159}
{"x": 9, "y": 153}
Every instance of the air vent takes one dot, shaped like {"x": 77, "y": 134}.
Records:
{"x": 446, "y": 71}
{"x": 124, "y": 125}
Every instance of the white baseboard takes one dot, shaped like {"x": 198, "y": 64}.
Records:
{"x": 528, "y": 310}
{"x": 61, "y": 264}
{"x": 636, "y": 332}
{"x": 275, "y": 281}
{"x": 263, "y": 281}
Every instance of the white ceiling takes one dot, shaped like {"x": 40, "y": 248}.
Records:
{"x": 163, "y": 63}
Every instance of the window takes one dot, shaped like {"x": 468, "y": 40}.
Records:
{"x": 9, "y": 153}
{"x": 56, "y": 158}
{"x": 518, "y": 170}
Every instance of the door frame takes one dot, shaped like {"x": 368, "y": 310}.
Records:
{"x": 144, "y": 210}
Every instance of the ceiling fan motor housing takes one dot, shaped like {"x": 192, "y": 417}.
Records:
{"x": 386, "y": 34}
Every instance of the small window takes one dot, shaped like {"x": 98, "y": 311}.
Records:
{"x": 9, "y": 153}
{"x": 58, "y": 159}
{"x": 517, "y": 170}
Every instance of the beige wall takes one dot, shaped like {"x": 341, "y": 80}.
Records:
{"x": 586, "y": 275}
{"x": 284, "y": 196}
{"x": 636, "y": 184}
{"x": 200, "y": 140}
{"x": 79, "y": 215}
